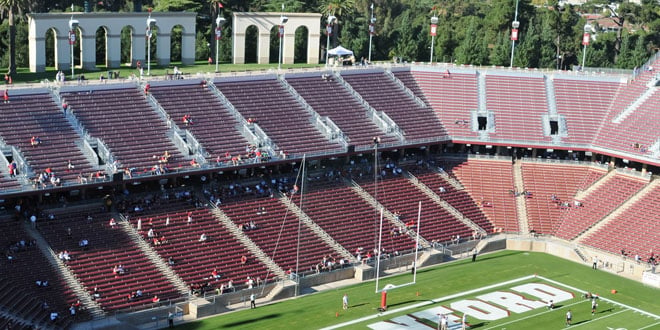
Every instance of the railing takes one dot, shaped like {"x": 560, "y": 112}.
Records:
{"x": 405, "y": 88}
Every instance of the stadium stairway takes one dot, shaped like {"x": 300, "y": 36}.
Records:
{"x": 594, "y": 186}
{"x": 401, "y": 85}
{"x": 386, "y": 213}
{"x": 90, "y": 304}
{"x": 521, "y": 201}
{"x": 316, "y": 228}
{"x": 453, "y": 211}
{"x": 640, "y": 195}
{"x": 247, "y": 242}
{"x": 155, "y": 259}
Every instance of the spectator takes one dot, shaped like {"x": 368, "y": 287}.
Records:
{"x": 5, "y": 97}
{"x": 203, "y": 238}
{"x": 155, "y": 299}
{"x": 112, "y": 223}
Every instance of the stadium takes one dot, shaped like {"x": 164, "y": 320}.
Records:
{"x": 485, "y": 191}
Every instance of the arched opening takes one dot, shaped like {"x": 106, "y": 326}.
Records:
{"x": 251, "y": 42}
{"x": 51, "y": 48}
{"x": 274, "y": 43}
{"x": 77, "y": 49}
{"x": 126, "y": 45}
{"x": 300, "y": 45}
{"x": 176, "y": 37}
{"x": 102, "y": 46}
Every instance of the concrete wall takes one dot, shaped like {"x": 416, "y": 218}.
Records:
{"x": 41, "y": 23}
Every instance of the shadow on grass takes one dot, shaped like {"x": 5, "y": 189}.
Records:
{"x": 406, "y": 302}
{"x": 477, "y": 325}
{"x": 252, "y": 320}
{"x": 358, "y": 305}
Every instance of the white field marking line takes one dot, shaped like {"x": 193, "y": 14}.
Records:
{"x": 428, "y": 302}
{"x": 648, "y": 326}
{"x": 533, "y": 315}
{"x": 605, "y": 299}
{"x": 598, "y": 318}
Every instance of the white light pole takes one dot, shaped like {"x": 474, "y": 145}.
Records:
{"x": 434, "y": 32}
{"x": 372, "y": 30}
{"x": 328, "y": 32}
{"x": 73, "y": 24}
{"x": 283, "y": 20}
{"x": 514, "y": 33}
{"x": 218, "y": 35}
{"x": 585, "y": 42}
{"x": 150, "y": 24}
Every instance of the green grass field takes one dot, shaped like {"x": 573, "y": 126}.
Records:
{"x": 615, "y": 311}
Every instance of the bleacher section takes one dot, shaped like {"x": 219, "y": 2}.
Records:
{"x": 329, "y": 98}
{"x": 518, "y": 102}
{"x": 562, "y": 181}
{"x": 37, "y": 115}
{"x": 397, "y": 194}
{"x": 635, "y": 230}
{"x": 408, "y": 80}
{"x": 644, "y": 122}
{"x": 598, "y": 203}
{"x": 383, "y": 94}
{"x": 19, "y": 293}
{"x": 193, "y": 260}
{"x": 351, "y": 221}
{"x": 459, "y": 199}
{"x": 285, "y": 121}
{"x": 131, "y": 129}
{"x": 108, "y": 247}
{"x": 453, "y": 98}
{"x": 489, "y": 183}
{"x": 213, "y": 125}
{"x": 584, "y": 104}
{"x": 277, "y": 233}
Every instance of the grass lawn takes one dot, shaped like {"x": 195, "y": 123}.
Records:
{"x": 319, "y": 310}
{"x": 25, "y": 76}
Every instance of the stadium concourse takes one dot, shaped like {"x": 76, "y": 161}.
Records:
{"x": 141, "y": 196}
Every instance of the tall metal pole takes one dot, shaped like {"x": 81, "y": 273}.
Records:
{"x": 371, "y": 30}
{"x": 328, "y": 34}
{"x": 585, "y": 42}
{"x": 279, "y": 60}
{"x": 72, "y": 44}
{"x": 433, "y": 31}
{"x": 149, "y": 33}
{"x": 514, "y": 34}
{"x": 584, "y": 56}
{"x": 217, "y": 40}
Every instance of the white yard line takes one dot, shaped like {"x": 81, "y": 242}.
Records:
{"x": 598, "y": 318}
{"x": 499, "y": 325}
{"x": 432, "y": 301}
{"x": 649, "y": 326}
{"x": 605, "y": 299}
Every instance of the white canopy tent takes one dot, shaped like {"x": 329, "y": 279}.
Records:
{"x": 340, "y": 51}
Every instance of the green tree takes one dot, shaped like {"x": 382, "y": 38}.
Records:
{"x": 529, "y": 51}
{"x": 501, "y": 52}
{"x": 12, "y": 7}
{"x": 471, "y": 50}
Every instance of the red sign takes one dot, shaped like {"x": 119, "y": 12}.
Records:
{"x": 514, "y": 34}
{"x": 218, "y": 33}
{"x": 281, "y": 33}
{"x": 434, "y": 29}
{"x": 372, "y": 29}
{"x": 72, "y": 37}
{"x": 585, "y": 39}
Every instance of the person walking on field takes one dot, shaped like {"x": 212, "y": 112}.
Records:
{"x": 344, "y": 302}
{"x": 253, "y": 301}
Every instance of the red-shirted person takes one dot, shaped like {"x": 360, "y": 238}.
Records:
{"x": 5, "y": 97}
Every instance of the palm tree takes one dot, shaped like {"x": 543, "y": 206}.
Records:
{"x": 12, "y": 6}
{"x": 338, "y": 8}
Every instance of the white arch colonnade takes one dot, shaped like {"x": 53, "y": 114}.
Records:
{"x": 41, "y": 23}
{"x": 264, "y": 23}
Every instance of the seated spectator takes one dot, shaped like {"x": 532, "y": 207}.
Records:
{"x": 147, "y": 87}
{"x": 203, "y": 238}
{"x": 215, "y": 274}
{"x": 5, "y": 96}
{"x": 243, "y": 260}
{"x": 35, "y": 141}
{"x": 96, "y": 293}
{"x": 170, "y": 261}
{"x": 138, "y": 293}
{"x": 112, "y": 223}
{"x": 155, "y": 299}
{"x": 54, "y": 316}
{"x": 83, "y": 243}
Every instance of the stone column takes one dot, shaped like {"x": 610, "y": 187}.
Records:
{"x": 238, "y": 47}
{"x": 188, "y": 48}
{"x": 138, "y": 49}
{"x": 38, "y": 53}
{"x": 63, "y": 52}
{"x": 88, "y": 50}
{"x": 288, "y": 44}
{"x": 313, "y": 44}
{"x": 113, "y": 50}
{"x": 263, "y": 47}
{"x": 164, "y": 42}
